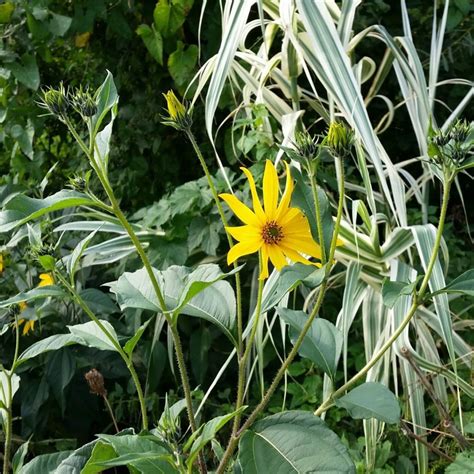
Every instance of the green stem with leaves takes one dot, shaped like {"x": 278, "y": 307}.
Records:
{"x": 128, "y": 361}
{"x": 417, "y": 300}
{"x": 296, "y": 346}
{"x": 317, "y": 208}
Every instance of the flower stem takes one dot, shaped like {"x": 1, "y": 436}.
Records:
{"x": 238, "y": 286}
{"x": 128, "y": 362}
{"x": 296, "y": 346}
{"x": 417, "y": 300}
{"x": 317, "y": 208}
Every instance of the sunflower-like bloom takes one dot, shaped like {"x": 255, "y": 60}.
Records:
{"x": 179, "y": 117}
{"x": 275, "y": 229}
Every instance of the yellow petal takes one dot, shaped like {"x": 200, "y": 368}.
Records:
{"x": 302, "y": 245}
{"x": 277, "y": 257}
{"x": 270, "y": 190}
{"x": 264, "y": 269}
{"x": 245, "y": 233}
{"x": 241, "y": 249}
{"x": 81, "y": 40}
{"x": 295, "y": 256}
{"x": 22, "y": 305}
{"x": 257, "y": 207}
{"x": 46, "y": 279}
{"x": 240, "y": 210}
{"x": 1, "y": 263}
{"x": 286, "y": 198}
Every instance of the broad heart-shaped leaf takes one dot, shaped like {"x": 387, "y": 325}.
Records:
{"x": 93, "y": 336}
{"x": 34, "y": 294}
{"x": 371, "y": 400}
{"x": 290, "y": 277}
{"x": 21, "y": 209}
{"x": 463, "y": 284}
{"x": 153, "y": 41}
{"x": 198, "y": 293}
{"x": 322, "y": 343}
{"x": 106, "y": 99}
{"x": 303, "y": 199}
{"x": 392, "y": 290}
{"x": 293, "y": 442}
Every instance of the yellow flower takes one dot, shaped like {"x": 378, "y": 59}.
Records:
{"x": 176, "y": 109}
{"x": 22, "y": 305}
{"x": 277, "y": 230}
{"x": 46, "y": 279}
{"x": 1, "y": 263}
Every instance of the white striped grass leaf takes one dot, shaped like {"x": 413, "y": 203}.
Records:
{"x": 329, "y": 61}
{"x": 234, "y": 22}
{"x": 424, "y": 240}
{"x": 426, "y": 345}
{"x": 354, "y": 292}
{"x": 413, "y": 390}
{"x": 346, "y": 20}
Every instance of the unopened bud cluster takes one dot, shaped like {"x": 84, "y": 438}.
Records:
{"x": 80, "y": 182}
{"x": 60, "y": 101}
{"x": 451, "y": 149}
{"x": 306, "y": 145}
{"x": 45, "y": 255}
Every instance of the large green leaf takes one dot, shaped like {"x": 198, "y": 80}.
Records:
{"x": 27, "y": 71}
{"x": 101, "y": 452}
{"x": 21, "y": 209}
{"x": 94, "y": 336}
{"x": 293, "y": 442}
{"x": 153, "y": 41}
{"x": 9, "y": 385}
{"x": 322, "y": 343}
{"x": 51, "y": 343}
{"x": 463, "y": 464}
{"x": 198, "y": 293}
{"x": 106, "y": 100}
{"x": 371, "y": 400}
{"x": 44, "y": 463}
{"x": 392, "y": 290}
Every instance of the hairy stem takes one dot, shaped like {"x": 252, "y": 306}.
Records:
{"x": 417, "y": 300}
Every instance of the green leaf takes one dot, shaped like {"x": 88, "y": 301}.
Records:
{"x": 463, "y": 464}
{"x": 44, "y": 463}
{"x": 6, "y": 10}
{"x": 322, "y": 343}
{"x": 198, "y": 293}
{"x": 107, "y": 99}
{"x": 74, "y": 463}
{"x": 19, "y": 457}
{"x": 73, "y": 261}
{"x": 51, "y": 343}
{"x": 59, "y": 24}
{"x": 101, "y": 452}
{"x": 293, "y": 442}
{"x": 290, "y": 277}
{"x": 168, "y": 17}
{"x": 302, "y": 198}
{"x": 133, "y": 341}
{"x": 34, "y": 294}
{"x": 93, "y": 336}
{"x": 153, "y": 42}
{"x": 21, "y": 209}
{"x": 392, "y": 290}
{"x": 26, "y": 72}
{"x": 9, "y": 385}
{"x": 182, "y": 62}
{"x": 208, "y": 433}
{"x": 145, "y": 453}
{"x": 463, "y": 284}
{"x": 371, "y": 400}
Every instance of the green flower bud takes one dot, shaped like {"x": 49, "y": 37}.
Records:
{"x": 55, "y": 101}
{"x": 339, "y": 139}
{"x": 83, "y": 102}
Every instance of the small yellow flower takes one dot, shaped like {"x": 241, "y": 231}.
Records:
{"x": 277, "y": 230}
{"x": 28, "y": 326}
{"x": 46, "y": 279}
{"x": 176, "y": 109}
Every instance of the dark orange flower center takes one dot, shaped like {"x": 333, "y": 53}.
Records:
{"x": 272, "y": 233}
